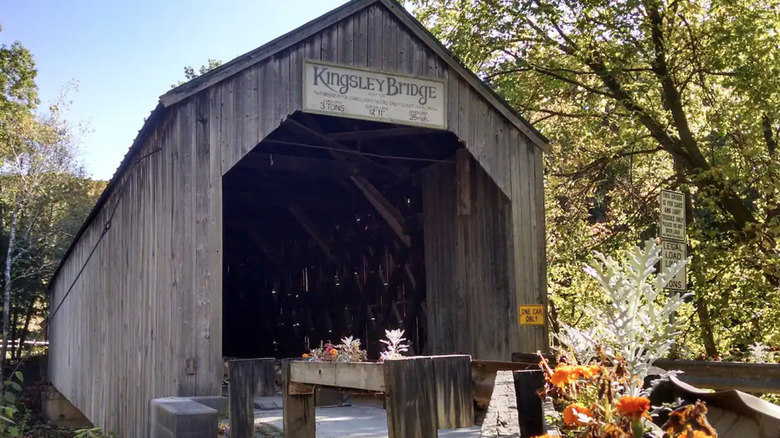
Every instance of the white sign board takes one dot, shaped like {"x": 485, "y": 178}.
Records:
{"x": 672, "y": 252}
{"x": 371, "y": 95}
{"x": 672, "y": 216}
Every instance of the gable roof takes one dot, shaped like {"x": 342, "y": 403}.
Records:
{"x": 319, "y": 24}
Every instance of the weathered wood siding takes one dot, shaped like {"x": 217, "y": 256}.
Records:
{"x": 144, "y": 318}
{"x": 482, "y": 264}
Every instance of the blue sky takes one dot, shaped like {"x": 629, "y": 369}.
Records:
{"x": 125, "y": 54}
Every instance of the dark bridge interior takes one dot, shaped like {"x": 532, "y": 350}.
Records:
{"x": 323, "y": 236}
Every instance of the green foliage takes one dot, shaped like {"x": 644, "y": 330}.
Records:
{"x": 43, "y": 194}
{"x": 639, "y": 96}
{"x": 94, "y": 432}
{"x": 11, "y": 421}
{"x": 190, "y": 73}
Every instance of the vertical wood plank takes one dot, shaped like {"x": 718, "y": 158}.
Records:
{"x": 542, "y": 338}
{"x": 269, "y": 94}
{"x": 389, "y": 41}
{"x": 463, "y": 181}
{"x": 295, "y": 79}
{"x": 360, "y": 39}
{"x": 226, "y": 132}
{"x": 298, "y": 416}
{"x": 263, "y": 370}
{"x": 410, "y": 398}
{"x": 344, "y": 44}
{"x": 214, "y": 245}
{"x": 454, "y": 391}
{"x": 374, "y": 30}
{"x": 330, "y": 44}
{"x": 241, "y": 396}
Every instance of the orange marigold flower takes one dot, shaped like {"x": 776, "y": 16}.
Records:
{"x": 571, "y": 417}
{"x": 631, "y": 406}
{"x": 694, "y": 434}
{"x": 587, "y": 371}
{"x": 563, "y": 375}
{"x": 305, "y": 355}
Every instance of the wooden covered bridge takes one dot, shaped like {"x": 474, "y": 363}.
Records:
{"x": 345, "y": 178}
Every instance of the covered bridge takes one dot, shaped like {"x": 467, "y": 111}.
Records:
{"x": 345, "y": 178}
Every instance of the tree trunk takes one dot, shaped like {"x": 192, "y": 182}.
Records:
{"x": 7, "y": 289}
{"x": 706, "y": 327}
{"x": 26, "y": 328}
{"x": 13, "y": 329}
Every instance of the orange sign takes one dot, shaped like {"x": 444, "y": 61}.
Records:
{"x": 531, "y": 314}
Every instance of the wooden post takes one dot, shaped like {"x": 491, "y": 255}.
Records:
{"x": 454, "y": 391}
{"x": 410, "y": 398}
{"x": 264, "y": 377}
{"x": 463, "y": 180}
{"x": 529, "y": 404}
{"x": 298, "y": 406}
{"x": 241, "y": 397}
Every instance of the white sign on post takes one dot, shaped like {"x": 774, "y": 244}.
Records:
{"x": 371, "y": 95}
{"x": 673, "y": 246}
{"x": 672, "y": 215}
{"x": 672, "y": 252}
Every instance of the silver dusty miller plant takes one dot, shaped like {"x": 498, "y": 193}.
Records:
{"x": 395, "y": 345}
{"x": 760, "y": 353}
{"x": 638, "y": 322}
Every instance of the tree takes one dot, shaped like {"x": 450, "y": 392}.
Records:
{"x": 190, "y": 73}
{"x": 637, "y": 96}
{"x": 41, "y": 189}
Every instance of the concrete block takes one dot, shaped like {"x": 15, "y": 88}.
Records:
{"x": 214, "y": 402}
{"x": 181, "y": 417}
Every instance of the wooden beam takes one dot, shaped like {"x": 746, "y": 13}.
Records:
{"x": 241, "y": 396}
{"x": 298, "y": 414}
{"x": 393, "y": 217}
{"x": 529, "y": 405}
{"x": 411, "y": 398}
{"x": 454, "y": 391}
{"x": 310, "y": 228}
{"x": 376, "y": 134}
{"x": 315, "y": 166}
{"x": 257, "y": 238}
{"x": 313, "y": 133}
{"x": 358, "y": 375}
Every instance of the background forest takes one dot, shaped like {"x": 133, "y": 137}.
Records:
{"x": 637, "y": 96}
{"x": 44, "y": 196}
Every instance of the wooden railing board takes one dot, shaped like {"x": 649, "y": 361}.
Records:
{"x": 360, "y": 375}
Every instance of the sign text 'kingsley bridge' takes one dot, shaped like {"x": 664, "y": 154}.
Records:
{"x": 371, "y": 95}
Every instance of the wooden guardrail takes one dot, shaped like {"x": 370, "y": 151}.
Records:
{"x": 756, "y": 378}
{"x": 422, "y": 394}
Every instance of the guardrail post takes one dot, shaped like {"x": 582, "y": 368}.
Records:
{"x": 298, "y": 406}
{"x": 410, "y": 398}
{"x": 529, "y": 405}
{"x": 454, "y": 391}
{"x": 241, "y": 397}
